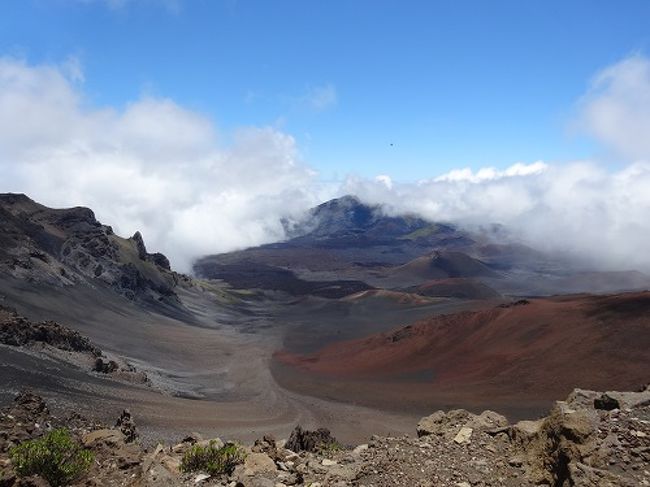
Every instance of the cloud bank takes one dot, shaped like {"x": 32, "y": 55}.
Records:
{"x": 578, "y": 208}
{"x": 153, "y": 166}
{"x": 167, "y": 171}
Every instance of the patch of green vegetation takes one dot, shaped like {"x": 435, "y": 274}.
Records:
{"x": 224, "y": 294}
{"x": 213, "y": 459}
{"x": 56, "y": 457}
{"x": 421, "y": 232}
{"x": 329, "y": 449}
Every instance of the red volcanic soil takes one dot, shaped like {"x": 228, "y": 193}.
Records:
{"x": 459, "y": 287}
{"x": 542, "y": 348}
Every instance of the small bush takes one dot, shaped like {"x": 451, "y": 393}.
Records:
{"x": 56, "y": 457}
{"x": 213, "y": 459}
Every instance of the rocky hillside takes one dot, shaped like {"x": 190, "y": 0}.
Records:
{"x": 591, "y": 439}
{"x": 69, "y": 246}
{"x": 347, "y": 240}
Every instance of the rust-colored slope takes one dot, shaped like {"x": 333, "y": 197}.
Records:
{"x": 543, "y": 347}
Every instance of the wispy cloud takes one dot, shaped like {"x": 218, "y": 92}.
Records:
{"x": 616, "y": 110}
{"x": 319, "y": 98}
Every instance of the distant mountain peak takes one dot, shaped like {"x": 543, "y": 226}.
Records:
{"x": 348, "y": 200}
{"x": 348, "y": 215}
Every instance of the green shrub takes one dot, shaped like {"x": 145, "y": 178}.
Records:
{"x": 212, "y": 459}
{"x": 56, "y": 457}
{"x": 329, "y": 449}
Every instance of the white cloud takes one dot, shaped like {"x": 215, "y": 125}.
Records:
{"x": 153, "y": 166}
{"x": 490, "y": 173}
{"x": 616, "y": 110}
{"x": 385, "y": 180}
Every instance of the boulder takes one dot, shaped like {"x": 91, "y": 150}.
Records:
{"x": 523, "y": 432}
{"x": 432, "y": 424}
{"x": 105, "y": 366}
{"x": 107, "y": 437}
{"x": 563, "y": 441}
{"x": 259, "y": 463}
{"x": 268, "y": 445}
{"x": 446, "y": 423}
{"x": 487, "y": 420}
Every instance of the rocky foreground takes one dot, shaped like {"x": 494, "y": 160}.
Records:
{"x": 591, "y": 439}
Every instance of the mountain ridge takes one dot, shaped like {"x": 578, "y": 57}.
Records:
{"x": 68, "y": 246}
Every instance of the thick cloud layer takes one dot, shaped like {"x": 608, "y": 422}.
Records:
{"x": 579, "y": 208}
{"x": 160, "y": 168}
{"x": 153, "y": 166}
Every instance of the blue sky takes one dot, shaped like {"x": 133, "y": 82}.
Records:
{"x": 449, "y": 84}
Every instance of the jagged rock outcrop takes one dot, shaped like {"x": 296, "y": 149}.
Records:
{"x": 310, "y": 441}
{"x": 126, "y": 425}
{"x": 15, "y": 330}
{"x": 68, "y": 246}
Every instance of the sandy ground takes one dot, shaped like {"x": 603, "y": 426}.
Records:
{"x": 216, "y": 371}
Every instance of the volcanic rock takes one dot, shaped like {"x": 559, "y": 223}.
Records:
{"x": 18, "y": 331}
{"x": 310, "y": 441}
{"x": 606, "y": 403}
{"x": 575, "y": 445}
{"x": 105, "y": 366}
{"x": 126, "y": 425}
{"x": 62, "y": 247}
